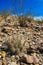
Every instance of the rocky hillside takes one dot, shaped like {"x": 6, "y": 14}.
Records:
{"x": 21, "y": 41}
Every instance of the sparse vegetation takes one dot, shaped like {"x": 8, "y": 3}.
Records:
{"x": 22, "y": 21}
{"x": 21, "y": 41}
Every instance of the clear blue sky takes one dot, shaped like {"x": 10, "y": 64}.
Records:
{"x": 34, "y": 6}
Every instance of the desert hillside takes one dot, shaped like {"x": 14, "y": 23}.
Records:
{"x": 21, "y": 41}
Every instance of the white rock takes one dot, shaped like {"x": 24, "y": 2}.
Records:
{"x": 13, "y": 63}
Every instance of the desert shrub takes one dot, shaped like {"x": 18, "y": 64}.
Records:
{"x": 16, "y": 47}
{"x": 5, "y": 13}
{"x": 23, "y": 21}
{"x": 37, "y": 21}
{"x": 13, "y": 46}
{"x": 29, "y": 19}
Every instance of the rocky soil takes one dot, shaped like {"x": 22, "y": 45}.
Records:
{"x": 21, "y": 41}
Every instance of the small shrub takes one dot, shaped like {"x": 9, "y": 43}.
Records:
{"x": 23, "y": 22}
{"x": 14, "y": 46}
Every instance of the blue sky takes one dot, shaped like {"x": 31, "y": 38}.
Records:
{"x": 31, "y": 6}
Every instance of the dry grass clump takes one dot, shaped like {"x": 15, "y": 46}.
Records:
{"x": 13, "y": 46}
{"x": 22, "y": 22}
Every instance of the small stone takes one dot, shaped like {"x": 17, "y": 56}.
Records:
{"x": 34, "y": 43}
{"x": 0, "y": 45}
{"x": 0, "y": 63}
{"x": 3, "y": 54}
{"x": 0, "y": 56}
{"x": 34, "y": 54}
{"x": 4, "y": 62}
{"x": 27, "y": 45}
{"x": 36, "y": 64}
{"x": 28, "y": 33}
{"x": 13, "y": 63}
{"x": 13, "y": 58}
{"x": 17, "y": 57}
{"x": 33, "y": 47}
{"x": 36, "y": 60}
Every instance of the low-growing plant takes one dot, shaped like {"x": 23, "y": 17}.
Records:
{"x": 13, "y": 46}
{"x": 23, "y": 21}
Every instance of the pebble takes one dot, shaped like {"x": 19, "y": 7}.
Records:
{"x": 12, "y": 63}
{"x": 0, "y": 63}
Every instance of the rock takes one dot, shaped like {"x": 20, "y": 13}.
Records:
{"x": 12, "y": 63}
{"x": 28, "y": 58}
{"x": 17, "y": 57}
{"x": 36, "y": 64}
{"x": 33, "y": 43}
{"x": 29, "y": 41}
{"x": 36, "y": 60}
{"x": 26, "y": 45}
{"x": 22, "y": 40}
{"x": 33, "y": 47}
{"x": 0, "y": 54}
{"x": 8, "y": 30}
{"x": 28, "y": 33}
{"x": 41, "y": 49}
{"x": 0, "y": 45}
{"x": 9, "y": 17}
{"x": 13, "y": 58}
{"x": 2, "y": 22}
{"x": 0, "y": 62}
{"x": 3, "y": 54}
{"x": 4, "y": 62}
{"x": 15, "y": 32}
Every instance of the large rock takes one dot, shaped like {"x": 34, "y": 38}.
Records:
{"x": 30, "y": 58}
{"x": 27, "y": 58}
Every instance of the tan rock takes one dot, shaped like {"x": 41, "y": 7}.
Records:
{"x": 33, "y": 47}
{"x": 2, "y": 22}
{"x": 28, "y": 58}
{"x": 13, "y": 63}
{"x": 36, "y": 60}
{"x": 4, "y": 62}
{"x": 9, "y": 30}
{"x": 3, "y": 54}
{"x": 36, "y": 64}
{"x": 26, "y": 45}
{"x": 0, "y": 63}
{"x": 28, "y": 41}
{"x": 9, "y": 17}
{"x": 12, "y": 58}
